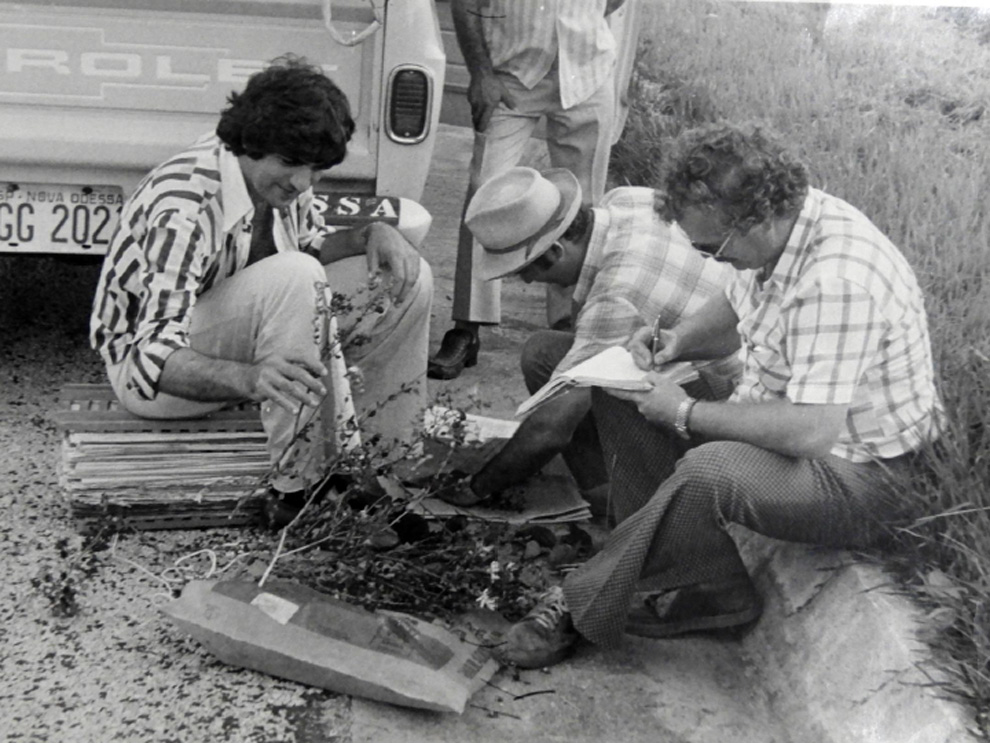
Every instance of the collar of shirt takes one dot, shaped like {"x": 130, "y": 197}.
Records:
{"x": 237, "y": 201}
{"x": 788, "y": 266}
{"x": 595, "y": 254}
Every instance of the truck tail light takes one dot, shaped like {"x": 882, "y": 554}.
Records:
{"x": 410, "y": 93}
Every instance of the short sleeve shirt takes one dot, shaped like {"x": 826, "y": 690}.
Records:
{"x": 841, "y": 321}
{"x": 186, "y": 228}
{"x": 637, "y": 268}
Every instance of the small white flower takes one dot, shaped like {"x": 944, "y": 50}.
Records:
{"x": 493, "y": 570}
{"x": 355, "y": 376}
{"x": 485, "y": 601}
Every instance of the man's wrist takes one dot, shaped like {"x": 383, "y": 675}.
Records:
{"x": 682, "y": 419}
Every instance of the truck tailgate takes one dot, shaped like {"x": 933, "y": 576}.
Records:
{"x": 116, "y": 86}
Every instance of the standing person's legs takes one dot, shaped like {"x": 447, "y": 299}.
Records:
{"x": 580, "y": 139}
{"x": 497, "y": 149}
{"x": 388, "y": 343}
{"x": 476, "y": 301}
{"x": 672, "y": 529}
{"x": 265, "y": 309}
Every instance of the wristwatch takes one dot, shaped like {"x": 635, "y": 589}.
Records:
{"x": 683, "y": 417}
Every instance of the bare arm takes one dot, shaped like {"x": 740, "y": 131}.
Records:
{"x": 710, "y": 333}
{"x": 288, "y": 382}
{"x": 467, "y": 16}
{"x": 796, "y": 430}
{"x": 384, "y": 246}
{"x": 539, "y": 438}
{"x": 485, "y": 91}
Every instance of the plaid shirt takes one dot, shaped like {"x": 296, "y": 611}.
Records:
{"x": 526, "y": 37}
{"x": 841, "y": 321}
{"x": 185, "y": 229}
{"x": 638, "y": 267}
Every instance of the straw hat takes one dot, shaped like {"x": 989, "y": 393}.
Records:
{"x": 517, "y": 215}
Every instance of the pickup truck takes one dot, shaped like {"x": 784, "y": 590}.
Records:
{"x": 94, "y": 93}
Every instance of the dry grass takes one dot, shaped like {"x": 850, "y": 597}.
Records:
{"x": 888, "y": 107}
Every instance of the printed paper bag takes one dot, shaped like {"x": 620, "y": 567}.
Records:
{"x": 297, "y": 633}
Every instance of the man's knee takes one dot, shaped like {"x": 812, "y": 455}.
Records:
{"x": 715, "y": 463}
{"x": 421, "y": 293}
{"x": 292, "y": 269}
{"x": 734, "y": 478}
{"x": 541, "y": 353}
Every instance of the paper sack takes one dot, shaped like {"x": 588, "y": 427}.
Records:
{"x": 297, "y": 633}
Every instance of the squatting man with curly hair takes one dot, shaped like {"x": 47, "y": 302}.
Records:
{"x": 835, "y": 395}
{"x": 218, "y": 279}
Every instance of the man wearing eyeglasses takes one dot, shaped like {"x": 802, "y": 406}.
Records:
{"x": 836, "y": 394}
{"x": 628, "y": 268}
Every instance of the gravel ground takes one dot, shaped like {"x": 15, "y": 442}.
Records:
{"x": 117, "y": 670}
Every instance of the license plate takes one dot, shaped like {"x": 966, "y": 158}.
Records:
{"x": 57, "y": 218}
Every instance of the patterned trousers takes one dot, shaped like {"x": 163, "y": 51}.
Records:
{"x": 672, "y": 500}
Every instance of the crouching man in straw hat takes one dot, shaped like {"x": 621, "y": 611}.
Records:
{"x": 628, "y": 267}
{"x": 836, "y": 394}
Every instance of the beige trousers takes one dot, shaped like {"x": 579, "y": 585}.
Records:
{"x": 271, "y": 307}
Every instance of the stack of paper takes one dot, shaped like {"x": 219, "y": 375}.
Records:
{"x": 613, "y": 368}
{"x": 159, "y": 474}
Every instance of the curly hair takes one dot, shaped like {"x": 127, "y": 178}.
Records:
{"x": 291, "y": 109}
{"x": 741, "y": 171}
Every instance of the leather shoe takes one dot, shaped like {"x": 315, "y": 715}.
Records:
{"x": 279, "y": 509}
{"x": 543, "y": 637}
{"x": 459, "y": 349}
{"x": 725, "y": 604}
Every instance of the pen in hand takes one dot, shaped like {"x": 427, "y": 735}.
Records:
{"x": 655, "y": 344}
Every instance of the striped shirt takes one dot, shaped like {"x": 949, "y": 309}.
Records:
{"x": 638, "y": 267}
{"x": 185, "y": 229}
{"x": 526, "y": 38}
{"x": 841, "y": 321}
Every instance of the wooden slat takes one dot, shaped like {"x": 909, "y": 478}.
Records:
{"x": 94, "y": 408}
{"x": 71, "y": 392}
{"x": 120, "y": 420}
{"x": 134, "y": 438}
{"x": 159, "y": 474}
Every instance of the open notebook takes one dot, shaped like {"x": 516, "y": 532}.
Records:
{"x": 614, "y": 367}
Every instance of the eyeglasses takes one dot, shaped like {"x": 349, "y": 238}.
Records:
{"x": 711, "y": 249}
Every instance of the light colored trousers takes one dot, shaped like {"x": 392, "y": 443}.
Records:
{"x": 270, "y": 308}
{"x": 578, "y": 138}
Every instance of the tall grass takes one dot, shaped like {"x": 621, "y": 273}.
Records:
{"x": 889, "y": 110}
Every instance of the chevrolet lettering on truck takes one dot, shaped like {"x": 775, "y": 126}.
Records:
{"x": 95, "y": 93}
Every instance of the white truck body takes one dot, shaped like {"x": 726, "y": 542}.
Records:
{"x": 95, "y": 93}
